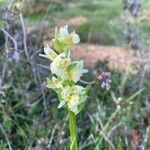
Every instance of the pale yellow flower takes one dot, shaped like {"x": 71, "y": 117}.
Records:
{"x": 60, "y": 64}
{"x": 54, "y": 83}
{"x": 66, "y": 92}
{"x": 64, "y": 40}
{"x": 75, "y": 37}
{"x": 75, "y": 73}
{"x": 73, "y": 96}
{"x": 49, "y": 53}
{"x": 73, "y": 103}
{"x": 63, "y": 32}
{"x": 64, "y": 36}
{"x": 76, "y": 89}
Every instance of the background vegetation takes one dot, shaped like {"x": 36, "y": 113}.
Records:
{"x": 29, "y": 118}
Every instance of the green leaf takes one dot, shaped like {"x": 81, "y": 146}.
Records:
{"x": 87, "y": 88}
{"x": 72, "y": 146}
{"x": 59, "y": 46}
{"x": 22, "y": 132}
{"x": 70, "y": 67}
{"x": 3, "y": 146}
{"x": 7, "y": 122}
{"x": 135, "y": 94}
{"x": 68, "y": 82}
{"x": 120, "y": 145}
{"x": 48, "y": 80}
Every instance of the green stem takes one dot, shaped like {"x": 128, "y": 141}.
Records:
{"x": 73, "y": 131}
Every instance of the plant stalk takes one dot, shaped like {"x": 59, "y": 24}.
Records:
{"x": 73, "y": 131}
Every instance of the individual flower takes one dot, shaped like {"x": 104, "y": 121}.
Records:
{"x": 76, "y": 89}
{"x": 64, "y": 35}
{"x": 76, "y": 72}
{"x": 66, "y": 92}
{"x": 60, "y": 64}
{"x": 64, "y": 96}
{"x": 73, "y": 103}
{"x": 64, "y": 40}
{"x": 73, "y": 96}
{"x": 105, "y": 80}
{"x": 49, "y": 53}
{"x": 54, "y": 83}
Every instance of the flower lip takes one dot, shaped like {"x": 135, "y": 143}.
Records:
{"x": 49, "y": 53}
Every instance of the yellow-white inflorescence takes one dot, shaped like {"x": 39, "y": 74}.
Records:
{"x": 66, "y": 73}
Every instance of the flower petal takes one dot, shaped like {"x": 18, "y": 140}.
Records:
{"x": 75, "y": 38}
{"x": 61, "y": 104}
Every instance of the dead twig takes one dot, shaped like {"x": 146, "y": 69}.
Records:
{"x": 13, "y": 40}
{"x": 51, "y": 138}
{"x": 3, "y": 74}
{"x": 24, "y": 32}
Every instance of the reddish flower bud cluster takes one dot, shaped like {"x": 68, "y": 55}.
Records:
{"x": 105, "y": 80}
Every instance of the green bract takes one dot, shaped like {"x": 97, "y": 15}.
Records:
{"x": 76, "y": 72}
{"x": 66, "y": 73}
